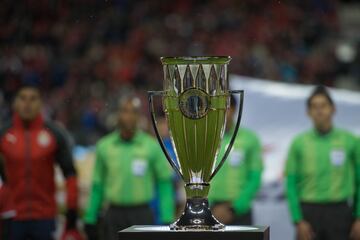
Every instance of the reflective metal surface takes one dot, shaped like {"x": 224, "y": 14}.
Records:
{"x": 195, "y": 100}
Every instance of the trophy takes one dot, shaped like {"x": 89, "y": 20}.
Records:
{"x": 195, "y": 99}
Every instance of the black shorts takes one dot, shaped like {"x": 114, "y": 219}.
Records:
{"x": 31, "y": 229}
{"x": 330, "y": 221}
{"x": 120, "y": 217}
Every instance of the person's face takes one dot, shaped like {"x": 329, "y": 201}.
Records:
{"x": 28, "y": 104}
{"x": 321, "y": 111}
{"x": 128, "y": 116}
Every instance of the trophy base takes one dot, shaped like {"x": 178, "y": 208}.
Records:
{"x": 151, "y": 232}
{"x": 197, "y": 217}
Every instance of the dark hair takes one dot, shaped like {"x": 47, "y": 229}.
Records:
{"x": 130, "y": 97}
{"x": 319, "y": 90}
{"x": 28, "y": 85}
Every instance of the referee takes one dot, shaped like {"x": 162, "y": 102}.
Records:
{"x": 237, "y": 182}
{"x": 322, "y": 176}
{"x": 129, "y": 163}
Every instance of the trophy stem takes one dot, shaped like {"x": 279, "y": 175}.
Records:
{"x": 197, "y": 214}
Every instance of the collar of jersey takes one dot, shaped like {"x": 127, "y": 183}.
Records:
{"x": 37, "y": 122}
{"x": 134, "y": 139}
{"x": 326, "y": 135}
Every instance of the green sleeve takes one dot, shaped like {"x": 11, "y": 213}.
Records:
{"x": 291, "y": 183}
{"x": 357, "y": 178}
{"x": 97, "y": 189}
{"x": 164, "y": 176}
{"x": 162, "y": 168}
{"x": 166, "y": 195}
{"x": 253, "y": 161}
{"x": 243, "y": 203}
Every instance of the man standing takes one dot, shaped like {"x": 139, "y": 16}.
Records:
{"x": 323, "y": 175}
{"x": 128, "y": 164}
{"x": 29, "y": 147}
{"x": 236, "y": 184}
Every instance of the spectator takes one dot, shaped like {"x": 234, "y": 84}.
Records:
{"x": 84, "y": 53}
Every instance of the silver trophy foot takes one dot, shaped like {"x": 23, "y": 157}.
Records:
{"x": 197, "y": 217}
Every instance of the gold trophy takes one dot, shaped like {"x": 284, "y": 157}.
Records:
{"x": 195, "y": 99}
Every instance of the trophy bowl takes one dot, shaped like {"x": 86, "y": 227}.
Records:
{"x": 195, "y": 99}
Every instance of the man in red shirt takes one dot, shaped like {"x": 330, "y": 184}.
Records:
{"x": 29, "y": 149}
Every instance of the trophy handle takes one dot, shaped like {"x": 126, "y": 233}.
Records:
{"x": 232, "y": 140}
{"x": 151, "y": 95}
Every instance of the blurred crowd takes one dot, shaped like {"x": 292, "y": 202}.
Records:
{"x": 84, "y": 53}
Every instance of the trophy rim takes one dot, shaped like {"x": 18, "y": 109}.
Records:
{"x": 169, "y": 60}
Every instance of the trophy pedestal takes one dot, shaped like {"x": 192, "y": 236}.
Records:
{"x": 147, "y": 232}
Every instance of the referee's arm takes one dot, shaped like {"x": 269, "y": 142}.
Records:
{"x": 97, "y": 189}
{"x": 357, "y": 179}
{"x": 291, "y": 183}
{"x": 164, "y": 176}
{"x": 253, "y": 159}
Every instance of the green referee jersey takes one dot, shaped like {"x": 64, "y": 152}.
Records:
{"x": 239, "y": 178}
{"x": 125, "y": 173}
{"x": 322, "y": 169}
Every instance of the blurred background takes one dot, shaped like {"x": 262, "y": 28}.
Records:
{"x": 83, "y": 54}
